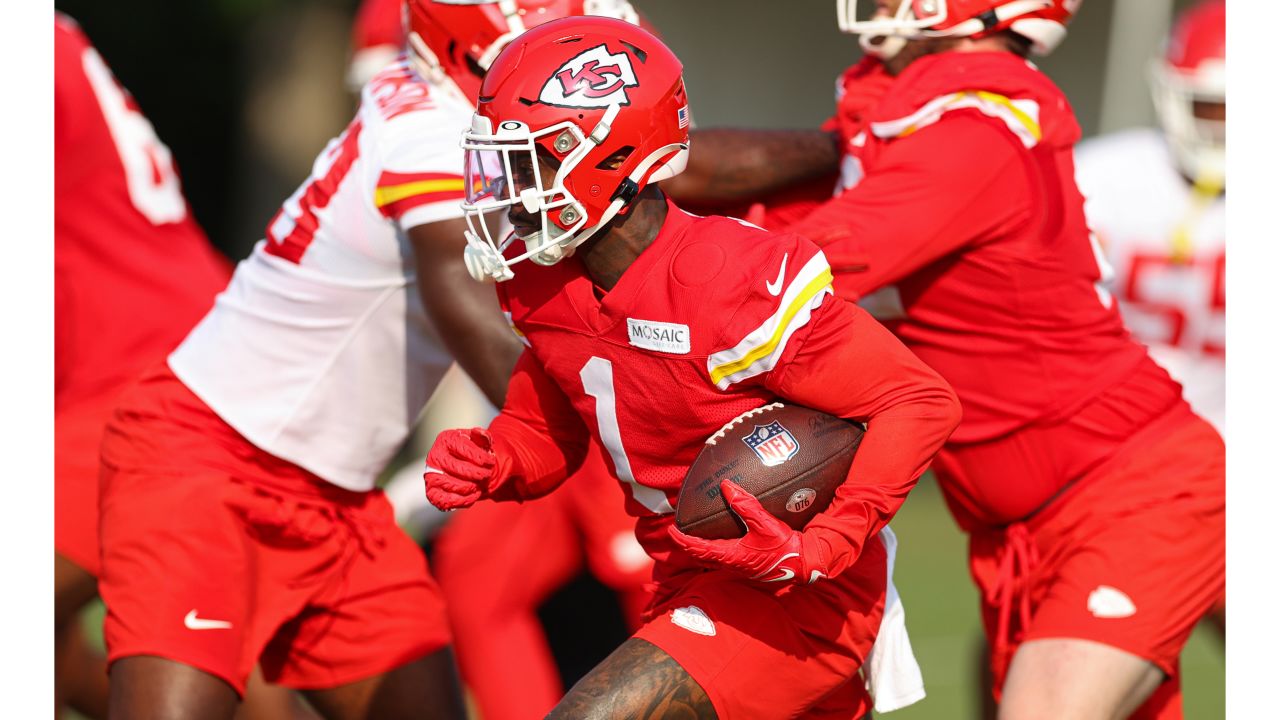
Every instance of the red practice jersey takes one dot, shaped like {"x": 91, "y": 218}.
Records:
{"x": 715, "y": 318}
{"x": 133, "y": 271}
{"x": 961, "y": 226}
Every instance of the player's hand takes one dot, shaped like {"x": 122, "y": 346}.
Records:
{"x": 770, "y": 552}
{"x": 460, "y": 467}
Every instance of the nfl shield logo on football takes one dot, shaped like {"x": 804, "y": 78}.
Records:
{"x": 772, "y": 443}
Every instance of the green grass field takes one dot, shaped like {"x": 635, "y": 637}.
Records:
{"x": 942, "y": 616}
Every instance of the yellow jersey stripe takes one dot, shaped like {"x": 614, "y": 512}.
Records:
{"x": 1027, "y": 121}
{"x": 815, "y": 286}
{"x": 384, "y": 196}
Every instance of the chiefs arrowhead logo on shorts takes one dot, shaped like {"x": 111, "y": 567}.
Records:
{"x": 593, "y": 79}
{"x": 772, "y": 443}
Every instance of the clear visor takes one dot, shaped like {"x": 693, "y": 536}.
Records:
{"x": 485, "y": 177}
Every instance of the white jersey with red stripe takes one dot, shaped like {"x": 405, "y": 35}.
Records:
{"x": 319, "y": 351}
{"x": 1167, "y": 243}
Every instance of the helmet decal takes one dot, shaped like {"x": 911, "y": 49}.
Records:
{"x": 575, "y": 119}
{"x": 596, "y": 78}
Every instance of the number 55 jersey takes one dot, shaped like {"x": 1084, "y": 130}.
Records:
{"x": 1166, "y": 240}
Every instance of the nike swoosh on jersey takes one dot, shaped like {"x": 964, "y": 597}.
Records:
{"x": 198, "y": 623}
{"x": 775, "y": 287}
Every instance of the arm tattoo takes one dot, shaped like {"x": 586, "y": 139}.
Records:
{"x": 640, "y": 681}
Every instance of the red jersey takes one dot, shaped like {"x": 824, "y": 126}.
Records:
{"x": 961, "y": 210}
{"x": 715, "y": 318}
{"x": 132, "y": 271}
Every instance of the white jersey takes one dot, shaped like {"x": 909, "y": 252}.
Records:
{"x": 1168, "y": 247}
{"x": 319, "y": 351}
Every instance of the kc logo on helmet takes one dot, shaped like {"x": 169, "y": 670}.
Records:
{"x": 596, "y": 78}
{"x": 772, "y": 443}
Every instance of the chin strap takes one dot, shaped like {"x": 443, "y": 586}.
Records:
{"x": 630, "y": 187}
{"x": 991, "y": 18}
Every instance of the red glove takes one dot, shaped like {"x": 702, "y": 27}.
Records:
{"x": 770, "y": 551}
{"x": 460, "y": 468}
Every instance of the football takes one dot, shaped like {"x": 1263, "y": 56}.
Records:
{"x": 790, "y": 458}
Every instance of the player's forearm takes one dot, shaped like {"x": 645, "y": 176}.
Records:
{"x": 894, "y": 453}
{"x": 530, "y": 463}
{"x": 538, "y": 438}
{"x": 465, "y": 313}
{"x": 729, "y": 165}
{"x": 486, "y": 350}
{"x": 851, "y": 366}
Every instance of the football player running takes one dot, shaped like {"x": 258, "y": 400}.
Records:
{"x": 239, "y": 519}
{"x": 498, "y": 563}
{"x": 1158, "y": 204}
{"x": 647, "y": 329}
{"x": 1092, "y": 493}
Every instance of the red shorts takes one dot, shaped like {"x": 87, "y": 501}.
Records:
{"x": 77, "y": 435}
{"x": 220, "y": 556}
{"x": 1132, "y": 555}
{"x": 762, "y": 653}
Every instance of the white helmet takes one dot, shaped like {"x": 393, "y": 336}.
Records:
{"x": 1043, "y": 22}
{"x": 1193, "y": 69}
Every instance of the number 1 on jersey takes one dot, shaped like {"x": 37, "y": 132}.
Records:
{"x": 597, "y": 381}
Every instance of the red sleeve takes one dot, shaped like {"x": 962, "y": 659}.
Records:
{"x": 851, "y": 366}
{"x": 538, "y": 438}
{"x": 957, "y": 182}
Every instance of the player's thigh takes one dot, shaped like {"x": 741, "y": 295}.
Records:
{"x": 73, "y": 588}
{"x": 376, "y": 610}
{"x": 264, "y": 701}
{"x": 425, "y": 689}
{"x": 181, "y": 576}
{"x": 1138, "y": 559}
{"x": 637, "y": 680}
{"x": 1069, "y": 679}
{"x": 145, "y": 687}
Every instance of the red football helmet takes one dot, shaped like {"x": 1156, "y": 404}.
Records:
{"x": 1193, "y": 71}
{"x": 457, "y": 40}
{"x": 377, "y": 37}
{"x": 1043, "y": 22}
{"x": 606, "y": 100}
